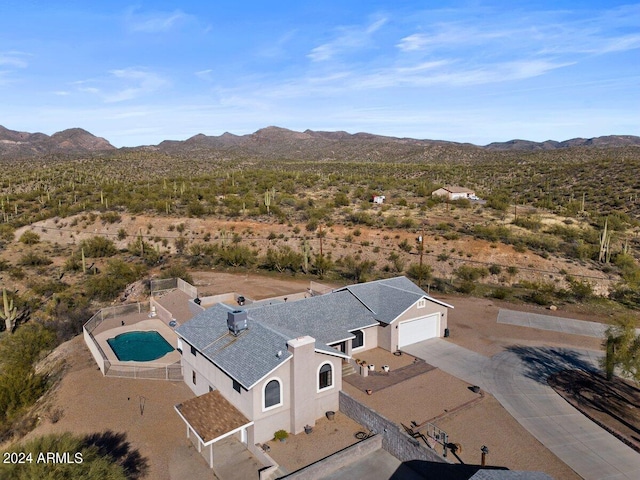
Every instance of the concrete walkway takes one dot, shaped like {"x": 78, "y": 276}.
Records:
{"x": 232, "y": 460}
{"x": 517, "y": 378}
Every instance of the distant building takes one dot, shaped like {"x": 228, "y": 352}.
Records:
{"x": 378, "y": 199}
{"x": 455, "y": 193}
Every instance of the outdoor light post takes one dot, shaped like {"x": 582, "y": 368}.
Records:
{"x": 485, "y": 452}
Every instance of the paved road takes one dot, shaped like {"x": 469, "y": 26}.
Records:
{"x": 549, "y": 322}
{"x": 517, "y": 378}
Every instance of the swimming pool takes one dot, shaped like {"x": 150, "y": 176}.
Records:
{"x": 139, "y": 346}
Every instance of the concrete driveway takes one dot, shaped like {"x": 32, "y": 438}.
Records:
{"x": 517, "y": 379}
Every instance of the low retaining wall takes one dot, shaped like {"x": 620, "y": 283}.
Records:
{"x": 344, "y": 457}
{"x": 394, "y": 440}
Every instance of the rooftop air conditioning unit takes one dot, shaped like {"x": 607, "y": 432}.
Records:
{"x": 237, "y": 321}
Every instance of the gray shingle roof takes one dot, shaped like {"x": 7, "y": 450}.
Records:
{"x": 248, "y": 357}
{"x": 390, "y": 297}
{"x": 328, "y": 318}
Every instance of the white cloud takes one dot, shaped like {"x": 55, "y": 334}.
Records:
{"x": 348, "y": 39}
{"x": 123, "y": 84}
{"x": 155, "y": 22}
{"x": 417, "y": 41}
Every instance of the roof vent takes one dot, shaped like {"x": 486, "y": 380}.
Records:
{"x": 279, "y": 354}
{"x": 237, "y": 321}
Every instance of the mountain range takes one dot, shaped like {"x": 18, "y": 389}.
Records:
{"x": 275, "y": 142}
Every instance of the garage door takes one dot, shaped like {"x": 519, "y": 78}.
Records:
{"x": 413, "y": 331}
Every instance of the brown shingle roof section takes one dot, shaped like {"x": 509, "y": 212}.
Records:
{"x": 211, "y": 415}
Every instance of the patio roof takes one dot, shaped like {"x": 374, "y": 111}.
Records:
{"x": 212, "y": 417}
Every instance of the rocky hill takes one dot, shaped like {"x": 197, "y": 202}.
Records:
{"x": 71, "y": 141}
{"x": 275, "y": 143}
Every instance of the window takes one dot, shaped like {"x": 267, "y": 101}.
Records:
{"x": 193, "y": 377}
{"x": 210, "y": 389}
{"x": 325, "y": 376}
{"x": 272, "y": 394}
{"x": 193, "y": 350}
{"x": 236, "y": 386}
{"x": 357, "y": 342}
{"x": 421, "y": 303}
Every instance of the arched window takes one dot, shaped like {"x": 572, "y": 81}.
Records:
{"x": 325, "y": 376}
{"x": 272, "y": 394}
{"x": 357, "y": 342}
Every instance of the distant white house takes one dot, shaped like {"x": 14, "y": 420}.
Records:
{"x": 455, "y": 193}
{"x": 378, "y": 199}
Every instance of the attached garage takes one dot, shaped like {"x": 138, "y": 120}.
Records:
{"x": 419, "y": 329}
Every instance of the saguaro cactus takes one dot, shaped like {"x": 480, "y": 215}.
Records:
{"x": 605, "y": 239}
{"x": 10, "y": 312}
{"x": 267, "y": 201}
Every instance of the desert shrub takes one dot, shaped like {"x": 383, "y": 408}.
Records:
{"x": 355, "y": 268}
{"x": 33, "y": 259}
{"x": 30, "y": 237}
{"x": 461, "y": 203}
{"x": 391, "y": 221}
{"x": 6, "y": 232}
{"x": 98, "y": 463}
{"x": 98, "y": 247}
{"x": 468, "y": 273}
{"x": 419, "y": 272}
{"x": 322, "y": 264}
{"x": 341, "y": 200}
{"x": 281, "y": 259}
{"x": 466, "y": 287}
{"x": 566, "y": 233}
{"x": 48, "y": 287}
{"x": 530, "y": 223}
{"x": 195, "y": 209}
{"x": 237, "y": 256}
{"x": 542, "y": 243}
{"x": 361, "y": 218}
{"x": 397, "y": 261}
{"x": 495, "y": 269}
{"x": 177, "y": 270}
{"x": 19, "y": 385}
{"x": 110, "y": 283}
{"x": 498, "y": 201}
{"x": 110, "y": 217}
{"x": 499, "y": 293}
{"x": 407, "y": 222}
{"x": 492, "y": 233}
{"x": 405, "y": 246}
{"x": 580, "y": 290}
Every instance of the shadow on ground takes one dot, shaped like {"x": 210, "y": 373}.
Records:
{"x": 415, "y": 469}
{"x": 115, "y": 445}
{"x": 541, "y": 362}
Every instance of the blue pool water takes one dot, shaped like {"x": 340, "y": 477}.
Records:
{"x": 139, "y": 346}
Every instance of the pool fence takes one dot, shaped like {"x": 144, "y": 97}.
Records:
{"x": 115, "y": 368}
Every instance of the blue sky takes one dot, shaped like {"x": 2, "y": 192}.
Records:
{"x": 475, "y": 71}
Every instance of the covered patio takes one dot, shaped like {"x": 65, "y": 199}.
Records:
{"x": 210, "y": 418}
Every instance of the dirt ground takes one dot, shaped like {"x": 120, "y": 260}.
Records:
{"x": 613, "y": 404}
{"x": 143, "y": 409}
{"x": 93, "y": 403}
{"x": 370, "y": 243}
{"x": 327, "y": 437}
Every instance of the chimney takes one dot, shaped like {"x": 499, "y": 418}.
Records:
{"x": 304, "y": 377}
